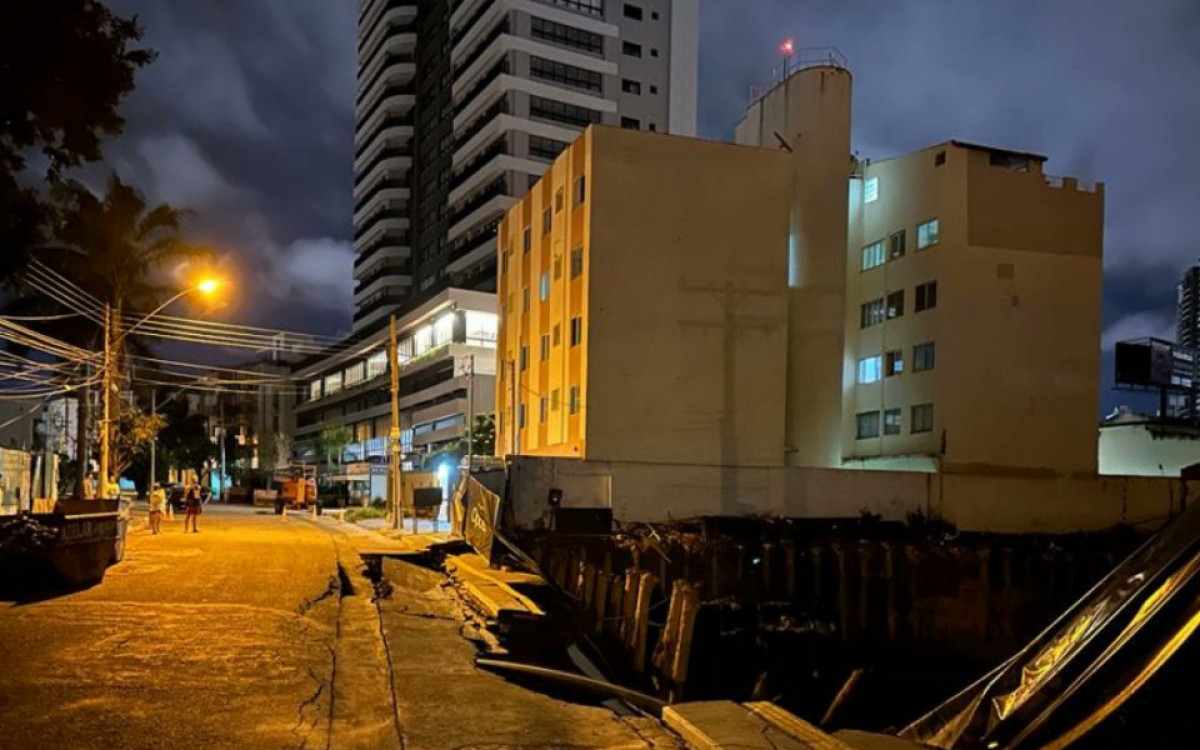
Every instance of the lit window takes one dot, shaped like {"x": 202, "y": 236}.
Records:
{"x": 895, "y": 304}
{"x": 922, "y": 418}
{"x": 871, "y": 190}
{"x": 896, "y": 245}
{"x": 482, "y": 328}
{"x": 443, "y": 330}
{"x": 544, "y": 287}
{"x": 866, "y": 425}
{"x": 872, "y": 313}
{"x": 377, "y": 364}
{"x": 576, "y": 331}
{"x": 872, "y": 255}
{"x": 891, "y": 422}
{"x": 895, "y": 363}
{"x": 927, "y": 234}
{"x": 314, "y": 390}
{"x": 576, "y": 262}
{"x": 870, "y": 369}
{"x": 333, "y": 383}
{"x": 927, "y": 296}
{"x": 924, "y": 356}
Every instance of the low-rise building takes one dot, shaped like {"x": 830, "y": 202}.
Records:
{"x": 446, "y": 352}
{"x": 643, "y": 299}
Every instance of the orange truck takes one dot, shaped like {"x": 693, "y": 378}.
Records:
{"x": 297, "y": 489}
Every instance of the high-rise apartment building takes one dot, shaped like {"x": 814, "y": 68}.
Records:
{"x": 462, "y": 105}
{"x": 1187, "y": 311}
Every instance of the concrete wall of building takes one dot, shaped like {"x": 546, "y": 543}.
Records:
{"x": 1016, "y": 327}
{"x": 1139, "y": 449}
{"x": 649, "y": 492}
{"x": 808, "y": 118}
{"x": 686, "y": 322}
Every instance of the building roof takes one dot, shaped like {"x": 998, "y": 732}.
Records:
{"x": 981, "y": 147}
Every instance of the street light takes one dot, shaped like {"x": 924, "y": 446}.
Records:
{"x": 205, "y": 286}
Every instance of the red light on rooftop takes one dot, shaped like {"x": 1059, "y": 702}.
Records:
{"x": 788, "y": 47}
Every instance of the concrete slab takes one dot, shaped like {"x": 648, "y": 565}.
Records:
{"x": 720, "y": 725}
{"x": 870, "y": 741}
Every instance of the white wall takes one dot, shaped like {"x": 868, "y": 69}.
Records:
{"x": 1133, "y": 450}
{"x": 1001, "y": 504}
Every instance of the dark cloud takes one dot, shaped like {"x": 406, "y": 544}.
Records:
{"x": 247, "y": 116}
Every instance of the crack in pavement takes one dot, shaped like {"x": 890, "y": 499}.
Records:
{"x": 307, "y": 702}
{"x": 333, "y": 587}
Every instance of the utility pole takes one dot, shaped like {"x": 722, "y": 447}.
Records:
{"x": 153, "y": 440}
{"x": 221, "y": 433}
{"x": 105, "y": 404}
{"x": 515, "y": 421}
{"x": 394, "y": 434}
{"x": 471, "y": 415}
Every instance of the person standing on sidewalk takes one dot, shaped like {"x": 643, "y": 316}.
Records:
{"x": 158, "y": 503}
{"x": 193, "y": 502}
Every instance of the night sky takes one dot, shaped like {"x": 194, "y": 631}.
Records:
{"x": 247, "y": 118}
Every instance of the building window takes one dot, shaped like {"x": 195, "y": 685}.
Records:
{"x": 524, "y": 357}
{"x": 557, "y": 268}
{"x": 545, "y": 346}
{"x": 573, "y": 400}
{"x": 631, "y": 87}
{"x": 576, "y": 331}
{"x": 558, "y": 200}
{"x": 566, "y": 36}
{"x": 927, "y": 296}
{"x": 896, "y": 245}
{"x": 866, "y": 425}
{"x": 927, "y": 234}
{"x": 567, "y": 75}
{"x": 526, "y": 240}
{"x": 922, "y": 418}
{"x": 869, "y": 369}
{"x": 556, "y": 111}
{"x": 576, "y": 262}
{"x": 939, "y": 159}
{"x": 580, "y": 190}
{"x": 547, "y": 220}
{"x": 895, "y": 304}
{"x": 891, "y": 422}
{"x": 314, "y": 390}
{"x": 554, "y": 402}
{"x": 544, "y": 287}
{"x": 654, "y": 89}
{"x": 633, "y": 11}
{"x": 543, "y": 402}
{"x": 557, "y": 334}
{"x": 872, "y": 313}
{"x": 923, "y": 357}
{"x": 521, "y": 416}
{"x": 631, "y": 123}
{"x": 525, "y": 299}
{"x": 894, "y": 364}
{"x": 872, "y": 255}
{"x": 653, "y": 52}
{"x": 504, "y": 262}
{"x": 871, "y": 190}
{"x": 654, "y": 15}
{"x": 631, "y": 49}
{"x": 545, "y": 148}
{"x": 652, "y": 127}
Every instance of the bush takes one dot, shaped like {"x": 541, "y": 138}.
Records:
{"x": 360, "y": 514}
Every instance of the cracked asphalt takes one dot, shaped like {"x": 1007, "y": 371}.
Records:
{"x": 248, "y": 635}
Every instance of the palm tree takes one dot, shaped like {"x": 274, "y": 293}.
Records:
{"x": 114, "y": 246}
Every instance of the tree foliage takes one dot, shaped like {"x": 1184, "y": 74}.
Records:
{"x": 334, "y": 441}
{"x": 134, "y": 431}
{"x": 65, "y": 66}
{"x": 185, "y": 442}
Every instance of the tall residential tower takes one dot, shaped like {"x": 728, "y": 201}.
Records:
{"x": 463, "y": 104}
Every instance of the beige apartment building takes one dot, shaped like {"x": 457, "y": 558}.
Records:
{"x": 972, "y": 316}
{"x": 643, "y": 304}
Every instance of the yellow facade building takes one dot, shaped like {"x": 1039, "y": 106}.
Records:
{"x": 972, "y": 318}
{"x": 643, "y": 304}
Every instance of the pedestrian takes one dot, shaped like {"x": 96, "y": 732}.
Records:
{"x": 158, "y": 503}
{"x": 194, "y": 504}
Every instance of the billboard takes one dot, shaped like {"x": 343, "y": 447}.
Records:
{"x": 1147, "y": 362}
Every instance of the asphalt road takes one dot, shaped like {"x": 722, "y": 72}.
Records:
{"x": 247, "y": 635}
{"x": 194, "y": 640}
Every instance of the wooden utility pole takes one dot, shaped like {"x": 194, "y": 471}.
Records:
{"x": 105, "y": 405}
{"x": 394, "y": 498}
{"x": 471, "y": 415}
